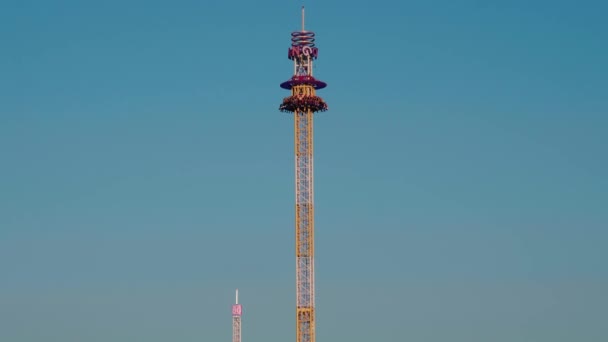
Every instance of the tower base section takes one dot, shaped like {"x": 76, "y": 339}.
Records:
{"x": 305, "y": 324}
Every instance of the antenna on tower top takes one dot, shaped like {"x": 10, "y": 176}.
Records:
{"x": 302, "y": 18}
{"x": 237, "y": 296}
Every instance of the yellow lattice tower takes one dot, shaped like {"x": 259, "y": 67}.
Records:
{"x": 303, "y": 103}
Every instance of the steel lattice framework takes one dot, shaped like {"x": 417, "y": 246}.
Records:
{"x": 237, "y": 311}
{"x": 303, "y": 103}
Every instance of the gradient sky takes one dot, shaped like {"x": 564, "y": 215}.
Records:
{"x": 145, "y": 172}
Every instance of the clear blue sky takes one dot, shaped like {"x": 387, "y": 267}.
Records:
{"x": 146, "y": 172}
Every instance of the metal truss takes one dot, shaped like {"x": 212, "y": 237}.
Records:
{"x": 305, "y": 278}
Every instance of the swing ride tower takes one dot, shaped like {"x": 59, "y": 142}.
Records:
{"x": 303, "y": 103}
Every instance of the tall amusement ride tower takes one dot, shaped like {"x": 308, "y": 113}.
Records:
{"x": 237, "y": 311}
{"x": 303, "y": 103}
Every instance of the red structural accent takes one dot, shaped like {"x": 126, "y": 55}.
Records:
{"x": 298, "y": 80}
{"x": 299, "y": 51}
{"x": 303, "y": 38}
{"x": 293, "y": 103}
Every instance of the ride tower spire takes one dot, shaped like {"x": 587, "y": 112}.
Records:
{"x": 303, "y": 103}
